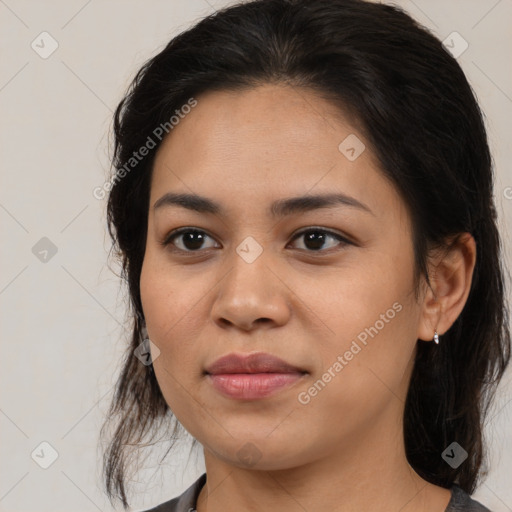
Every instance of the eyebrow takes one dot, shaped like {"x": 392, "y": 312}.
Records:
{"x": 279, "y": 208}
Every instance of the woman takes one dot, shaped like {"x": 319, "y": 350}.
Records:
{"x": 303, "y": 209}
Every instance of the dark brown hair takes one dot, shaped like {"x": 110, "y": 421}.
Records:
{"x": 414, "y": 105}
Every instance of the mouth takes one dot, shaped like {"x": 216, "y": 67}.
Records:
{"x": 253, "y": 376}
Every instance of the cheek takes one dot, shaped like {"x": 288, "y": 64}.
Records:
{"x": 173, "y": 301}
{"x": 168, "y": 310}
{"x": 156, "y": 295}
{"x": 359, "y": 295}
{"x": 365, "y": 368}
{"x": 373, "y": 318}
{"x": 165, "y": 295}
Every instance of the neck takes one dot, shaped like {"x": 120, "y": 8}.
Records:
{"x": 370, "y": 473}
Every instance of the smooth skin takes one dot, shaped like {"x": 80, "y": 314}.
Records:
{"x": 344, "y": 449}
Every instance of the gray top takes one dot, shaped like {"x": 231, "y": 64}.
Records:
{"x": 186, "y": 502}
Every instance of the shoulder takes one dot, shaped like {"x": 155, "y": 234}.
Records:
{"x": 461, "y": 501}
{"x": 186, "y": 502}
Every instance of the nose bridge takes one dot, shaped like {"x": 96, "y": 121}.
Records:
{"x": 250, "y": 290}
{"x": 249, "y": 275}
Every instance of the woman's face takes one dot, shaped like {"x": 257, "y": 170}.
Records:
{"x": 341, "y": 312}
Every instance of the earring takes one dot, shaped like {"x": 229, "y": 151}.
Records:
{"x": 436, "y": 338}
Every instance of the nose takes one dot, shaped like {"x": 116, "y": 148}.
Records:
{"x": 251, "y": 295}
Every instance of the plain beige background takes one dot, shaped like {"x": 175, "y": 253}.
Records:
{"x": 62, "y": 310}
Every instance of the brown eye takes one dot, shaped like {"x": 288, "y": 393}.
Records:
{"x": 315, "y": 239}
{"x": 191, "y": 239}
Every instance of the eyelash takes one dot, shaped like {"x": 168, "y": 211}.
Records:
{"x": 174, "y": 234}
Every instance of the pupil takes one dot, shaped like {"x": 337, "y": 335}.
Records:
{"x": 189, "y": 241}
{"x": 316, "y": 238}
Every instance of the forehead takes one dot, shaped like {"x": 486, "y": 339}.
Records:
{"x": 270, "y": 122}
{"x": 268, "y": 142}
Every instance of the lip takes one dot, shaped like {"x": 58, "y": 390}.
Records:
{"x": 259, "y": 362}
{"x": 252, "y": 376}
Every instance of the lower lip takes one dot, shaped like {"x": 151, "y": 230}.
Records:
{"x": 252, "y": 386}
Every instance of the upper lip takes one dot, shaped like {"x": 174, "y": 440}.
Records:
{"x": 251, "y": 363}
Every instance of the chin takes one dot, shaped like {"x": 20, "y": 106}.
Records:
{"x": 261, "y": 454}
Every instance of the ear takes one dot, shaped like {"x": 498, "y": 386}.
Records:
{"x": 451, "y": 273}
